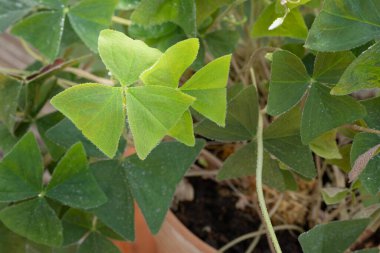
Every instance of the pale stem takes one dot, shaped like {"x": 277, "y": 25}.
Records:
{"x": 259, "y": 185}
{"x": 121, "y": 21}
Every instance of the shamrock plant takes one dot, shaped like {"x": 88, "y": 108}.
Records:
{"x": 154, "y": 109}
{"x": 53, "y": 19}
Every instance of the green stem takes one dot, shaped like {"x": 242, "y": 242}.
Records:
{"x": 122, "y": 21}
{"x": 259, "y": 185}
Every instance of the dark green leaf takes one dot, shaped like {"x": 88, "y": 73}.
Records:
{"x": 7, "y": 139}
{"x": 243, "y": 163}
{"x": 205, "y": 8}
{"x": 35, "y": 220}
{"x": 222, "y": 42}
{"x": 10, "y": 242}
{"x": 293, "y": 26}
{"x": 289, "y": 76}
{"x": 180, "y": 12}
{"x": 43, "y": 124}
{"x": 370, "y": 177}
{"x": 96, "y": 243}
{"x": 153, "y": 180}
{"x": 76, "y": 224}
{"x": 363, "y": 72}
{"x": 112, "y": 179}
{"x": 12, "y": 11}
{"x": 344, "y": 24}
{"x": 66, "y": 134}
{"x": 328, "y": 67}
{"x": 9, "y": 94}
{"x": 241, "y": 119}
{"x": 323, "y": 112}
{"x": 43, "y": 31}
{"x": 89, "y": 17}
{"x": 21, "y": 171}
{"x": 72, "y": 182}
{"x": 137, "y": 31}
{"x": 335, "y": 236}
{"x": 373, "y": 113}
{"x": 282, "y": 139}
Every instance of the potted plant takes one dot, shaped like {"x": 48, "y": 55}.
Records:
{"x": 66, "y": 185}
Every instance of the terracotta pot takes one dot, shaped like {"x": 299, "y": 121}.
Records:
{"x": 173, "y": 237}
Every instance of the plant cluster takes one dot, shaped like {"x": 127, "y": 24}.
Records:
{"x": 161, "y": 73}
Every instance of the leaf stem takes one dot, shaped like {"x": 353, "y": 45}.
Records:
{"x": 363, "y": 129}
{"x": 122, "y": 21}
{"x": 31, "y": 52}
{"x": 257, "y": 233}
{"x": 87, "y": 75}
{"x": 259, "y": 185}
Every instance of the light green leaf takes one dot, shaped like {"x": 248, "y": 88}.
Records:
{"x": 323, "y": 112}
{"x": 97, "y": 111}
{"x": 158, "y": 107}
{"x": 183, "y": 131}
{"x": 35, "y": 220}
{"x": 9, "y": 94}
{"x": 344, "y": 162}
{"x": 293, "y": 26}
{"x": 73, "y": 184}
{"x": 326, "y": 146}
{"x": 328, "y": 67}
{"x": 97, "y": 243}
{"x": 153, "y": 181}
{"x": 363, "y": 73}
{"x": 180, "y": 12}
{"x": 289, "y": 76}
{"x": 222, "y": 42}
{"x": 333, "y": 195}
{"x": 89, "y": 17}
{"x": 373, "y": 113}
{"x": 43, "y": 31}
{"x": 344, "y": 24}
{"x": 282, "y": 140}
{"x": 243, "y": 163}
{"x": 21, "y": 171}
{"x": 208, "y": 86}
{"x": 335, "y": 236}
{"x": 124, "y": 57}
{"x": 172, "y": 64}
{"x": 241, "y": 120}
{"x": 370, "y": 176}
{"x": 12, "y": 11}
{"x": 205, "y": 8}
{"x": 112, "y": 179}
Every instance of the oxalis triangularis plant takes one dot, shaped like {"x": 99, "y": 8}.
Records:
{"x": 309, "y": 105}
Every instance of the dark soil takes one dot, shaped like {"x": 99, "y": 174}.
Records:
{"x": 213, "y": 217}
